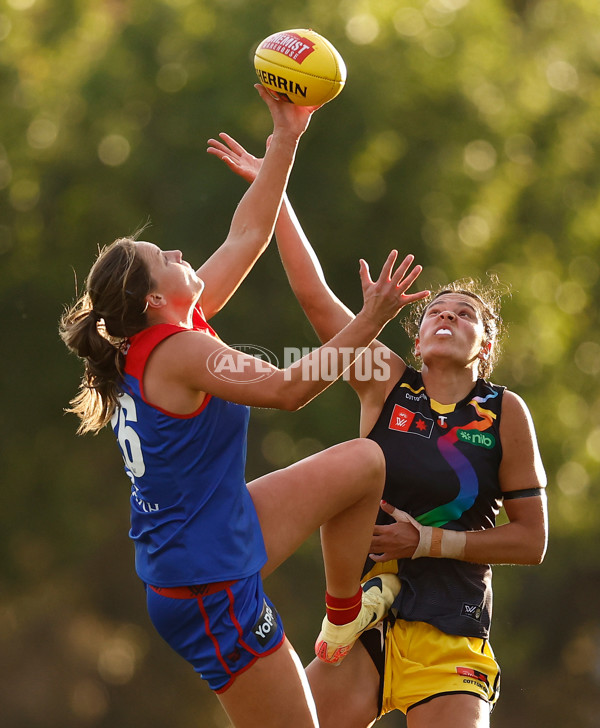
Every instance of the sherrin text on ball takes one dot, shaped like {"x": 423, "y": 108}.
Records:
{"x": 300, "y": 66}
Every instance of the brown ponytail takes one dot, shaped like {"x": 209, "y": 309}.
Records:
{"x": 97, "y": 326}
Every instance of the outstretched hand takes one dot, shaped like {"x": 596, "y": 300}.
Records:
{"x": 397, "y": 540}
{"x": 385, "y": 298}
{"x": 235, "y": 156}
{"x": 286, "y": 116}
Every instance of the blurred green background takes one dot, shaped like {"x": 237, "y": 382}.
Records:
{"x": 467, "y": 134}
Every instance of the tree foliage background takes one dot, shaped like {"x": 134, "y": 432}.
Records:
{"x": 467, "y": 134}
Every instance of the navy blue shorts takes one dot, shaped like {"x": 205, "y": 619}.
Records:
{"x": 221, "y": 629}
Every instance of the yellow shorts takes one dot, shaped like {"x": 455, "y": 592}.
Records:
{"x": 422, "y": 663}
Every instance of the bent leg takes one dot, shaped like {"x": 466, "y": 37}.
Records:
{"x": 449, "y": 711}
{"x": 346, "y": 694}
{"x": 273, "y": 693}
{"x": 338, "y": 489}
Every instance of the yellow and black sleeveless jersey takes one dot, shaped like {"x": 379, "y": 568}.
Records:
{"x": 442, "y": 467}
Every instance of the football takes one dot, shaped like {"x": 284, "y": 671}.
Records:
{"x": 300, "y": 66}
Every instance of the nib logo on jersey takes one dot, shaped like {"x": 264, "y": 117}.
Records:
{"x": 403, "y": 420}
{"x": 476, "y": 437}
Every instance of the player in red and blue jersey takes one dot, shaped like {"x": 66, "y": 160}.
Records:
{"x": 204, "y": 539}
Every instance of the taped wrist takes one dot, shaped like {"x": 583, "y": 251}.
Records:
{"x": 440, "y": 543}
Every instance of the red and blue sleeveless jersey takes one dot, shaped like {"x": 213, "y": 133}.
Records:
{"x": 192, "y": 518}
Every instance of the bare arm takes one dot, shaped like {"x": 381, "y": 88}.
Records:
{"x": 523, "y": 539}
{"x": 189, "y": 364}
{"x": 327, "y": 314}
{"x": 253, "y": 222}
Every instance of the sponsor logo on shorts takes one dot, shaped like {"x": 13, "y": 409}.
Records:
{"x": 199, "y": 590}
{"x": 233, "y": 657}
{"x": 266, "y": 627}
{"x": 473, "y": 611}
{"x": 472, "y": 676}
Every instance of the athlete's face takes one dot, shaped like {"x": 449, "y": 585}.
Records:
{"x": 175, "y": 281}
{"x": 452, "y": 328}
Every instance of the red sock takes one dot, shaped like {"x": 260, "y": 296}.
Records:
{"x": 342, "y": 611}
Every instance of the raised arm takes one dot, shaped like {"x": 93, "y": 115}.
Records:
{"x": 325, "y": 311}
{"x": 254, "y": 219}
{"x": 327, "y": 314}
{"x": 322, "y": 307}
{"x": 522, "y": 540}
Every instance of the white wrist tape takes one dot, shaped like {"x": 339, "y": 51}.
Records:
{"x": 439, "y": 543}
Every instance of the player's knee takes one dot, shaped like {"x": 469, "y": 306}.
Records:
{"x": 372, "y": 461}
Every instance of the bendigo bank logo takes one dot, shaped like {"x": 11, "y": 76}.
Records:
{"x": 403, "y": 420}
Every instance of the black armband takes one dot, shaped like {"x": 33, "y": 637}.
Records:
{"x": 526, "y": 493}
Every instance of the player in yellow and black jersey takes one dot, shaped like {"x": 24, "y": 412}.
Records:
{"x": 457, "y": 448}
